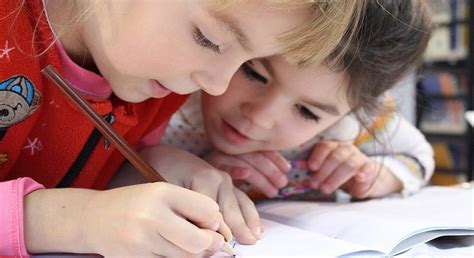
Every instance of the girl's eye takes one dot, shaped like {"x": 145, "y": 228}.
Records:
{"x": 307, "y": 114}
{"x": 203, "y": 41}
{"x": 252, "y": 75}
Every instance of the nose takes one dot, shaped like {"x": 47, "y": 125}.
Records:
{"x": 260, "y": 112}
{"x": 215, "y": 80}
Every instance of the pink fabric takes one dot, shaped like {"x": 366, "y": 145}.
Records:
{"x": 12, "y": 241}
{"x": 153, "y": 138}
{"x": 89, "y": 84}
{"x": 86, "y": 82}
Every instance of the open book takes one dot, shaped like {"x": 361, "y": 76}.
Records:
{"x": 385, "y": 226}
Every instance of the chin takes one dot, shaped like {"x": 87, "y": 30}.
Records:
{"x": 231, "y": 149}
{"x": 131, "y": 98}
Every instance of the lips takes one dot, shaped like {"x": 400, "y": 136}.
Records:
{"x": 233, "y": 135}
{"x": 157, "y": 89}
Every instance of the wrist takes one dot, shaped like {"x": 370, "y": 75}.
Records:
{"x": 385, "y": 183}
{"x": 53, "y": 220}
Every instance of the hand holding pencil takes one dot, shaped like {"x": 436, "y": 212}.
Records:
{"x": 146, "y": 219}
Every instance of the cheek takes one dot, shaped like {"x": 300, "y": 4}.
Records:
{"x": 295, "y": 133}
{"x": 148, "y": 60}
{"x": 230, "y": 101}
{"x": 154, "y": 55}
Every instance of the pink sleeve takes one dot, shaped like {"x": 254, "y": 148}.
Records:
{"x": 12, "y": 242}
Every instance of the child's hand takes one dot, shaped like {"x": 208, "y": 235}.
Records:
{"x": 265, "y": 170}
{"x": 377, "y": 183}
{"x": 185, "y": 169}
{"x": 343, "y": 165}
{"x": 153, "y": 219}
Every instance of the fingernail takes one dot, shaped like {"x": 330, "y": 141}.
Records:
{"x": 282, "y": 181}
{"x": 272, "y": 193}
{"x": 326, "y": 189}
{"x": 217, "y": 244}
{"x": 256, "y": 232}
{"x": 314, "y": 165}
{"x": 314, "y": 183}
{"x": 360, "y": 177}
{"x": 252, "y": 236}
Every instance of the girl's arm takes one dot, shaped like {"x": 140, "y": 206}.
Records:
{"x": 402, "y": 149}
{"x": 142, "y": 220}
{"x": 54, "y": 218}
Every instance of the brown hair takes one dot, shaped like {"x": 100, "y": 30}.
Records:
{"x": 391, "y": 38}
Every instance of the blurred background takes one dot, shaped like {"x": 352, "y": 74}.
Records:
{"x": 438, "y": 98}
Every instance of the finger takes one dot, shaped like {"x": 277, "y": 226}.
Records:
{"x": 224, "y": 229}
{"x": 184, "y": 234}
{"x": 250, "y": 213}
{"x": 262, "y": 184}
{"x": 278, "y": 159}
{"x": 235, "y": 172}
{"x": 161, "y": 247}
{"x": 361, "y": 189}
{"x": 267, "y": 168}
{"x": 206, "y": 183}
{"x": 321, "y": 151}
{"x": 217, "y": 240}
{"x": 342, "y": 174}
{"x": 334, "y": 159}
{"x": 209, "y": 186}
{"x": 362, "y": 176}
{"x": 233, "y": 215}
{"x": 193, "y": 206}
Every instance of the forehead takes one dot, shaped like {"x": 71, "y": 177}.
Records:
{"x": 262, "y": 22}
{"x": 313, "y": 83}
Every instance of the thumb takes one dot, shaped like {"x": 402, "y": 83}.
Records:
{"x": 217, "y": 240}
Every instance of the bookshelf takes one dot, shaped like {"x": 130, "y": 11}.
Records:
{"x": 445, "y": 89}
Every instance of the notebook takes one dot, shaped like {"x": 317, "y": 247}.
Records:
{"x": 386, "y": 227}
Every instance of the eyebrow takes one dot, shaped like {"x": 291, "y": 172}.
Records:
{"x": 232, "y": 26}
{"x": 330, "y": 109}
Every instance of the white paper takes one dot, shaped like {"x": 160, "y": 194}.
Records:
{"x": 285, "y": 241}
{"x": 375, "y": 225}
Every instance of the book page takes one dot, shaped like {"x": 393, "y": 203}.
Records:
{"x": 282, "y": 240}
{"x": 378, "y": 224}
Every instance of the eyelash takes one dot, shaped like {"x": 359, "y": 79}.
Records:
{"x": 252, "y": 75}
{"x": 307, "y": 114}
{"x": 304, "y": 112}
{"x": 204, "y": 41}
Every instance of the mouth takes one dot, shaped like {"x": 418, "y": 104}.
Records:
{"x": 233, "y": 135}
{"x": 157, "y": 89}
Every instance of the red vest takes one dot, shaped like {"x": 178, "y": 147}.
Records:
{"x": 42, "y": 133}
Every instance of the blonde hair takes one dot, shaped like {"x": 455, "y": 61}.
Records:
{"x": 46, "y": 44}
{"x": 309, "y": 44}
{"x": 327, "y": 28}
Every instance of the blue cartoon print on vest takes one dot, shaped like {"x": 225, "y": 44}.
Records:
{"x": 18, "y": 100}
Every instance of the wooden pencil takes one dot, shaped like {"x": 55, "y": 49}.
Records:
{"x": 105, "y": 128}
